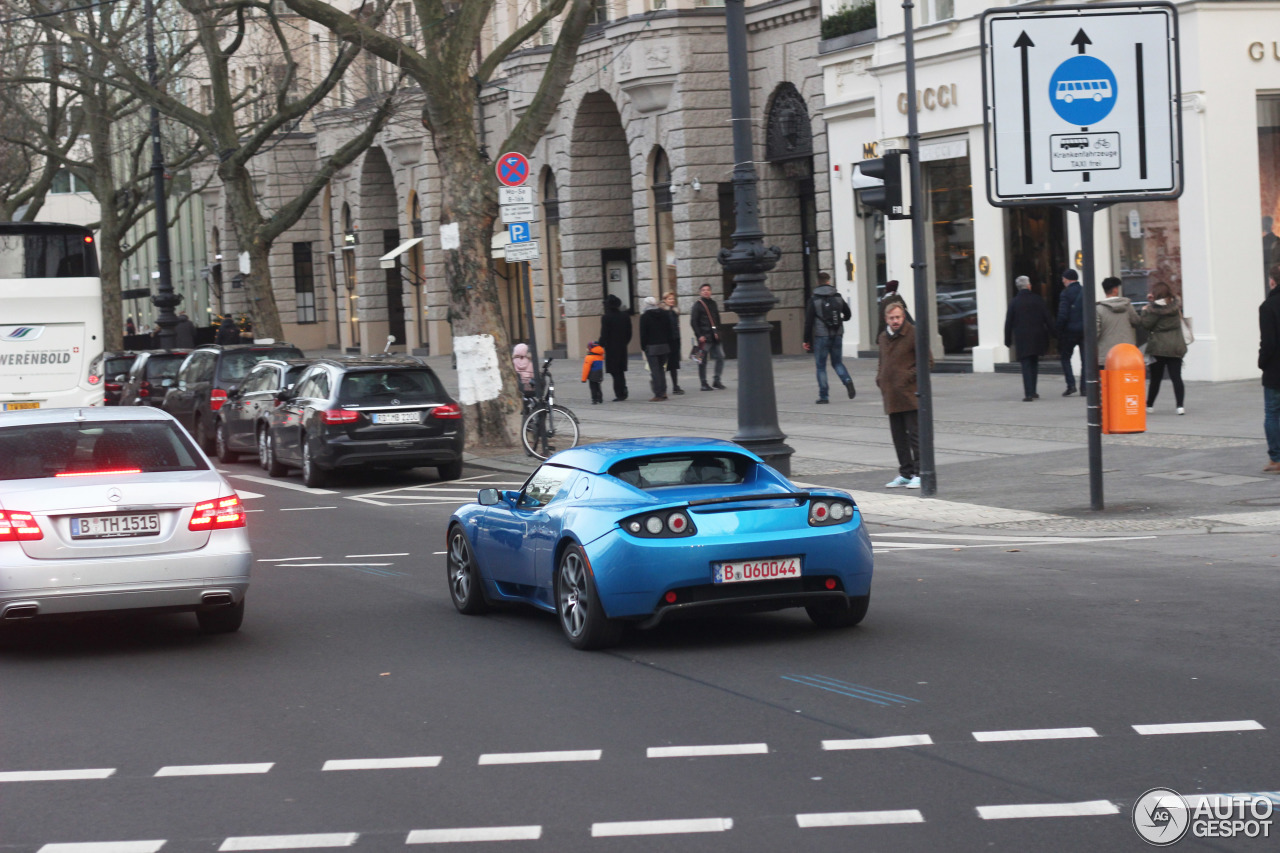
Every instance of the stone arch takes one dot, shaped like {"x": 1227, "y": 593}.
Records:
{"x": 597, "y": 221}
{"x": 381, "y": 300}
{"x": 788, "y": 192}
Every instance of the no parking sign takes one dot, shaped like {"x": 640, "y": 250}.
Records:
{"x": 512, "y": 169}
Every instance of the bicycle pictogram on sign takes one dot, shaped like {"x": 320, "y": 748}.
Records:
{"x": 512, "y": 169}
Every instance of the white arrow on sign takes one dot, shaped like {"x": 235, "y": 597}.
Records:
{"x": 515, "y": 195}
{"x": 518, "y": 213}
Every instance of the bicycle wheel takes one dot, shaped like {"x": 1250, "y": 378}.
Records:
{"x": 549, "y": 429}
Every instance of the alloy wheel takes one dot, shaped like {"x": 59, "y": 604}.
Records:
{"x": 573, "y": 596}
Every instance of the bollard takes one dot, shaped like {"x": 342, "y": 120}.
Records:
{"x": 1124, "y": 391}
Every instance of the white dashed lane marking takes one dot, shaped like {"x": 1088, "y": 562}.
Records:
{"x": 55, "y": 775}
{"x": 1026, "y": 810}
{"x": 288, "y": 559}
{"x": 714, "y": 749}
{"x": 355, "y": 556}
{"x": 281, "y": 484}
{"x": 304, "y": 508}
{"x": 540, "y": 757}
{"x": 878, "y": 742}
{"x": 661, "y": 827}
{"x": 104, "y": 847}
{"x": 1034, "y": 734}
{"x": 475, "y": 833}
{"x": 323, "y": 565}
{"x": 382, "y": 763}
{"x": 1198, "y": 728}
{"x": 810, "y": 821}
{"x": 213, "y": 769}
{"x": 290, "y": 842}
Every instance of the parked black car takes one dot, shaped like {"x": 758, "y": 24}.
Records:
{"x": 152, "y": 374}
{"x": 243, "y": 419}
{"x": 387, "y": 411}
{"x": 206, "y": 377}
{"x": 110, "y": 368}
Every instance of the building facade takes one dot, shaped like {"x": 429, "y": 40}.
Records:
{"x": 1205, "y": 244}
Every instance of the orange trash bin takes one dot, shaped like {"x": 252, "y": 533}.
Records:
{"x": 1124, "y": 387}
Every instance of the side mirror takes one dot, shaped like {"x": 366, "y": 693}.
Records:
{"x": 285, "y": 395}
{"x": 489, "y": 497}
{"x": 233, "y": 393}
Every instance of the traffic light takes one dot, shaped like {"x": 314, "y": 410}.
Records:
{"x": 893, "y": 173}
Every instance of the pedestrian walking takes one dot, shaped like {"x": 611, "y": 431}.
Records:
{"x": 824, "y": 318}
{"x": 655, "y": 340}
{"x": 896, "y": 379}
{"x": 523, "y": 363}
{"x": 1269, "y": 364}
{"x": 1070, "y": 327}
{"x": 1028, "y": 327}
{"x": 593, "y": 371}
{"x": 1166, "y": 343}
{"x": 705, "y": 320}
{"x": 129, "y": 327}
{"x": 673, "y": 360}
{"x": 615, "y": 337}
{"x": 184, "y": 334}
{"x": 1270, "y": 251}
{"x": 227, "y": 331}
{"x": 1117, "y": 321}
{"x": 891, "y": 297}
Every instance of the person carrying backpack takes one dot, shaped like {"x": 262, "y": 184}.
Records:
{"x": 824, "y": 319}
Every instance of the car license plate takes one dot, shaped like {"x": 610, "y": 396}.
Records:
{"x": 757, "y": 570}
{"x": 14, "y": 407}
{"x": 115, "y": 526}
{"x": 396, "y": 418}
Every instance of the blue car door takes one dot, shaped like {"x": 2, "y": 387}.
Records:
{"x": 511, "y": 532}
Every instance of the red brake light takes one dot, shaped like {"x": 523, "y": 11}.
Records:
{"x": 18, "y": 526}
{"x": 99, "y": 473}
{"x": 144, "y": 389}
{"x": 216, "y": 398}
{"x": 221, "y": 514}
{"x": 339, "y": 416}
{"x": 114, "y": 386}
{"x": 448, "y": 411}
{"x": 94, "y": 379}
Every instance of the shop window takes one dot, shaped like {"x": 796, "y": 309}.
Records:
{"x": 1146, "y": 247}
{"x": 1269, "y": 180}
{"x": 304, "y": 283}
{"x": 950, "y": 210}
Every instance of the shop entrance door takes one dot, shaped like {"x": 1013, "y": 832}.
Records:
{"x": 1036, "y": 246}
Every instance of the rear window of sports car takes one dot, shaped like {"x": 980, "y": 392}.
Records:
{"x": 683, "y": 469}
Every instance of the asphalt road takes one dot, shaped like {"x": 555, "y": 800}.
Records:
{"x": 352, "y": 652}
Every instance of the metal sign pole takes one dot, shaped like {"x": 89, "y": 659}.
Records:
{"x": 527, "y": 285}
{"x": 1090, "y": 378}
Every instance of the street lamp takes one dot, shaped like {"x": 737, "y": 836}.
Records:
{"x": 164, "y": 299}
{"x": 749, "y": 259}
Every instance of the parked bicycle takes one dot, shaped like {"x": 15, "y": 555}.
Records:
{"x": 548, "y": 427}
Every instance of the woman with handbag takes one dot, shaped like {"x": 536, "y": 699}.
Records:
{"x": 1167, "y": 334}
{"x": 655, "y": 340}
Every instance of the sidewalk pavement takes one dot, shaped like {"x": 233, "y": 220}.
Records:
{"x": 1003, "y": 465}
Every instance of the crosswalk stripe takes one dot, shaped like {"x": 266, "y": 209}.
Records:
{"x": 290, "y": 842}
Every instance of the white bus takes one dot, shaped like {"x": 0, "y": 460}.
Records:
{"x": 50, "y": 316}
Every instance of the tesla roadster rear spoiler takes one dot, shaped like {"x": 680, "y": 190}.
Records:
{"x": 769, "y": 496}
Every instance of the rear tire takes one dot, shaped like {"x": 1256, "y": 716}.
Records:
{"x": 225, "y": 453}
{"x": 264, "y": 454}
{"x": 466, "y": 587}
{"x": 827, "y": 616}
{"x": 451, "y": 471}
{"x": 582, "y": 617}
{"x": 274, "y": 466}
{"x": 202, "y": 435}
{"x": 313, "y": 476}
{"x": 224, "y": 620}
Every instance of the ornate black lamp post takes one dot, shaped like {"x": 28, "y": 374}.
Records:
{"x": 164, "y": 298}
{"x": 749, "y": 260}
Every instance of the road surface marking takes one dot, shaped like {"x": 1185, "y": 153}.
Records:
{"x": 304, "y": 508}
{"x": 321, "y": 565}
{"x": 879, "y": 742}
{"x": 213, "y": 769}
{"x": 438, "y": 553}
{"x": 1092, "y": 807}
{"x": 290, "y": 842}
{"x": 248, "y": 496}
{"x": 661, "y": 827}
{"x": 104, "y": 847}
{"x": 288, "y": 559}
{"x": 808, "y": 821}
{"x": 1194, "y": 728}
{"x": 714, "y": 749}
{"x": 55, "y": 775}
{"x": 475, "y": 833}
{"x": 354, "y": 556}
{"x": 382, "y": 763}
{"x": 539, "y": 757}
{"x": 1034, "y": 734}
{"x": 845, "y": 688}
{"x": 280, "y": 484}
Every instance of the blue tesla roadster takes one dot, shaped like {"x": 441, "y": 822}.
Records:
{"x": 644, "y": 530}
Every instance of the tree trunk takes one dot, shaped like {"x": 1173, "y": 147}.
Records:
{"x": 248, "y": 225}
{"x": 109, "y": 260}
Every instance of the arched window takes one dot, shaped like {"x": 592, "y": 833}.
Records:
{"x": 664, "y": 229}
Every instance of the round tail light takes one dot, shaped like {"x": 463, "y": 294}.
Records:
{"x": 819, "y": 511}
{"x": 677, "y": 522}
{"x": 670, "y": 598}
{"x": 831, "y": 583}
{"x": 653, "y": 524}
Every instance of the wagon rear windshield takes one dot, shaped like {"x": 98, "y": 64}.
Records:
{"x": 683, "y": 469}
{"x": 38, "y": 451}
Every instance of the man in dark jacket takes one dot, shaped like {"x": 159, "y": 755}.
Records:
{"x": 1269, "y": 364}
{"x": 1027, "y": 328}
{"x": 227, "y": 331}
{"x": 896, "y": 379}
{"x": 824, "y": 319}
{"x": 655, "y": 342}
{"x": 1070, "y": 326}
{"x": 615, "y": 335}
{"x": 184, "y": 334}
{"x": 705, "y": 319}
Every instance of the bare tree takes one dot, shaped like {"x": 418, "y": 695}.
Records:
{"x": 450, "y": 72}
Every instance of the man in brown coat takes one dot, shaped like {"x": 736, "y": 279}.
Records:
{"x": 896, "y": 379}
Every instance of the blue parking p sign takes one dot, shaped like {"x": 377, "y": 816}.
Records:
{"x": 518, "y": 232}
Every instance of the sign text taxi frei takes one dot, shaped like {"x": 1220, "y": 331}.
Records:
{"x": 1082, "y": 102}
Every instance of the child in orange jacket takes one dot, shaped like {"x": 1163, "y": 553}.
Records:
{"x": 593, "y": 371}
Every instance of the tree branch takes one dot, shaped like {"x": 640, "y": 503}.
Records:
{"x": 517, "y": 38}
